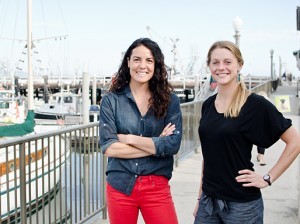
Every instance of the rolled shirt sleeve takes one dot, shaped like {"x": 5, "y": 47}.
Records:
{"x": 170, "y": 145}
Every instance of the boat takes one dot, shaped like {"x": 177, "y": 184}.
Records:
{"x": 62, "y": 103}
{"x": 40, "y": 164}
{"x": 41, "y": 157}
{"x": 65, "y": 107}
{"x": 184, "y": 95}
{"x": 10, "y": 107}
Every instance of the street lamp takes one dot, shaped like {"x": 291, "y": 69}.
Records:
{"x": 237, "y": 24}
{"x": 271, "y": 52}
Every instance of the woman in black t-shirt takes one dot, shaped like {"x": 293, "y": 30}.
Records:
{"x": 232, "y": 121}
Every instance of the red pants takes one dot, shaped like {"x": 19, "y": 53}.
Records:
{"x": 151, "y": 195}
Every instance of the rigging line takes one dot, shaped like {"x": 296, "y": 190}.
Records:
{"x": 14, "y": 31}
{"x": 62, "y": 66}
{"x": 66, "y": 56}
{"x": 45, "y": 31}
{"x": 63, "y": 59}
{"x": 62, "y": 16}
{"x": 20, "y": 62}
{"x": 44, "y": 25}
{"x": 3, "y": 14}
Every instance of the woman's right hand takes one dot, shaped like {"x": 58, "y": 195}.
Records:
{"x": 168, "y": 130}
{"x": 196, "y": 209}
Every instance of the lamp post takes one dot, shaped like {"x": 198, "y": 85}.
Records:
{"x": 280, "y": 68}
{"x": 237, "y": 24}
{"x": 271, "y": 52}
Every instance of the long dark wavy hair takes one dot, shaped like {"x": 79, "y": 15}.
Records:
{"x": 159, "y": 86}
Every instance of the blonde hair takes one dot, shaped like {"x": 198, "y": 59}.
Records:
{"x": 241, "y": 94}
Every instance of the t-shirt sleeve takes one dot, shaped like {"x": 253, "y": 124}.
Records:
{"x": 262, "y": 123}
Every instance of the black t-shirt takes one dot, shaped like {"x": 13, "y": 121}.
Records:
{"x": 227, "y": 144}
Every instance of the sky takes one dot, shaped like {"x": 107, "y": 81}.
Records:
{"x": 94, "y": 33}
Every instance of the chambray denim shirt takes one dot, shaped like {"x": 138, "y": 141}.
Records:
{"x": 119, "y": 114}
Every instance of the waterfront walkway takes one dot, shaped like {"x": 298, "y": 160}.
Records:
{"x": 281, "y": 200}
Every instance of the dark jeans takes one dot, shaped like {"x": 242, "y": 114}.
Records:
{"x": 219, "y": 211}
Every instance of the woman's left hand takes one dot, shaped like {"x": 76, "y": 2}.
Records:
{"x": 251, "y": 179}
{"x": 168, "y": 130}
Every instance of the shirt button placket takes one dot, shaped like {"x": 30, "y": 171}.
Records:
{"x": 136, "y": 165}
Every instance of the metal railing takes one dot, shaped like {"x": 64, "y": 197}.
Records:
{"x": 53, "y": 177}
{"x": 190, "y": 122}
{"x": 253, "y": 83}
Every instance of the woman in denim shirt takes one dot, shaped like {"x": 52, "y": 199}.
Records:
{"x": 140, "y": 132}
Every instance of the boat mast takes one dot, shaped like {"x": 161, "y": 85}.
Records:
{"x": 29, "y": 55}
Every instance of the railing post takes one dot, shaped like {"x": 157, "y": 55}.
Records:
{"x": 250, "y": 83}
{"x": 86, "y": 168}
{"x": 23, "y": 214}
{"x": 103, "y": 180}
{"x": 176, "y": 160}
{"x": 196, "y": 118}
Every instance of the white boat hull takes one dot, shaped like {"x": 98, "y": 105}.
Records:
{"x": 43, "y": 172}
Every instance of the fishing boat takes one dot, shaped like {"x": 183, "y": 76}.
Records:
{"x": 62, "y": 103}
{"x": 65, "y": 107}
